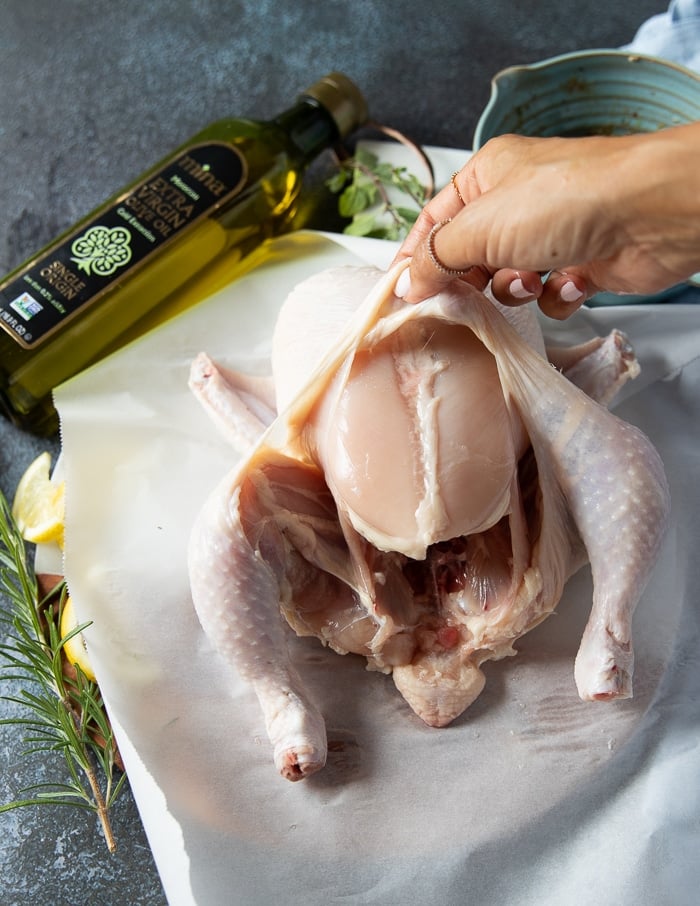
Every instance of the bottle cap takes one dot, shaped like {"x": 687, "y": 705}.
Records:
{"x": 342, "y": 99}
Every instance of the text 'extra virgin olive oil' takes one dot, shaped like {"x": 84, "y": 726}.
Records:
{"x": 215, "y": 198}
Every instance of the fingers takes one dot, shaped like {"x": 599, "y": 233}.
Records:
{"x": 559, "y": 296}
{"x": 563, "y": 293}
{"x": 515, "y": 287}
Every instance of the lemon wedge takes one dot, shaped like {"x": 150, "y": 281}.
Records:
{"x": 75, "y": 648}
{"x": 38, "y": 506}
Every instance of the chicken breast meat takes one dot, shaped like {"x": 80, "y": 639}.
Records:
{"x": 415, "y": 485}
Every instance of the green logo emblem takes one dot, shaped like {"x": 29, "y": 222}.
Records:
{"x": 101, "y": 251}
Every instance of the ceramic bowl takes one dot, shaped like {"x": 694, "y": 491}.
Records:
{"x": 594, "y": 92}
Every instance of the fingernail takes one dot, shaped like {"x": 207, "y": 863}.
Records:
{"x": 403, "y": 284}
{"x": 570, "y": 292}
{"x": 518, "y": 291}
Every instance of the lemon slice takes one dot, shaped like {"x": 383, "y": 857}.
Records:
{"x": 38, "y": 507}
{"x": 75, "y": 648}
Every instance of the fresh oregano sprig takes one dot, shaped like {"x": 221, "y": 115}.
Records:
{"x": 367, "y": 186}
{"x": 62, "y": 712}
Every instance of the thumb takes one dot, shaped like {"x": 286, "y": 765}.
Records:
{"x": 432, "y": 269}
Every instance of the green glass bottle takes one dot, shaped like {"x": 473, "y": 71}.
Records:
{"x": 214, "y": 200}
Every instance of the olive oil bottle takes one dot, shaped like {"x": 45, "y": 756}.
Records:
{"x": 215, "y": 198}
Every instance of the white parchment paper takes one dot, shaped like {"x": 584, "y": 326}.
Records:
{"x": 532, "y": 797}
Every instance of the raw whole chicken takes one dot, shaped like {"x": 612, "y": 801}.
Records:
{"x": 417, "y": 483}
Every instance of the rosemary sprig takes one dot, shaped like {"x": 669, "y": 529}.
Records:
{"x": 364, "y": 184}
{"x": 62, "y": 710}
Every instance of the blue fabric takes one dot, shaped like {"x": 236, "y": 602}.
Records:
{"x": 673, "y": 35}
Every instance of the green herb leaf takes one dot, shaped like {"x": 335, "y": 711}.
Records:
{"x": 385, "y": 173}
{"x": 366, "y": 158}
{"x": 338, "y": 180}
{"x": 354, "y": 200}
{"x": 361, "y": 225}
{"x": 363, "y": 183}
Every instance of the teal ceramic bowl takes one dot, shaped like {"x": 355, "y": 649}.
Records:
{"x": 593, "y": 92}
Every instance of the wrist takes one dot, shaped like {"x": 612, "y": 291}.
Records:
{"x": 662, "y": 181}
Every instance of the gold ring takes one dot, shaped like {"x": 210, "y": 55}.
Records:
{"x": 450, "y": 271}
{"x": 455, "y": 187}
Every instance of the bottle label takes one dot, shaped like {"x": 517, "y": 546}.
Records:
{"x": 118, "y": 238}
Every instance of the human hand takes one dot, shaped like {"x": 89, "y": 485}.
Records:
{"x": 620, "y": 214}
